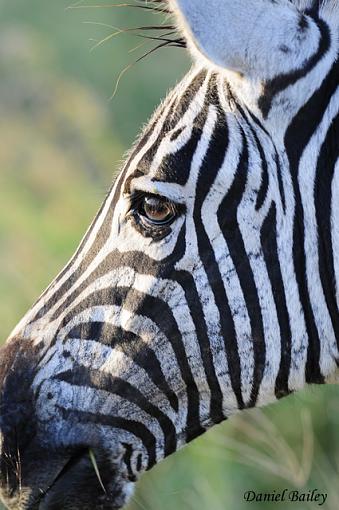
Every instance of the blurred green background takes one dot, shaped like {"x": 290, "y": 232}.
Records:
{"x": 61, "y": 141}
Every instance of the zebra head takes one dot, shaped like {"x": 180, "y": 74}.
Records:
{"x": 207, "y": 281}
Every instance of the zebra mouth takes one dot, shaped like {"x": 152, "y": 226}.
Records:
{"x": 65, "y": 471}
{"x": 80, "y": 485}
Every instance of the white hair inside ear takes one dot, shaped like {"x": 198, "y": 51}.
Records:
{"x": 258, "y": 38}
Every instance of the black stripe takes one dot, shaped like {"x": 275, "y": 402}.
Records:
{"x": 280, "y": 182}
{"x": 313, "y": 373}
{"x": 187, "y": 282}
{"x": 282, "y": 81}
{"x": 328, "y": 157}
{"x": 146, "y": 160}
{"x": 227, "y": 217}
{"x": 127, "y": 459}
{"x": 161, "y": 314}
{"x": 269, "y": 245}
{"x": 176, "y": 168}
{"x": 134, "y": 427}
{"x": 276, "y": 157}
{"x": 174, "y": 115}
{"x": 210, "y": 167}
{"x": 98, "y": 380}
{"x": 265, "y": 179}
{"x": 262, "y": 193}
{"x": 255, "y": 120}
{"x": 136, "y": 260}
{"x": 132, "y": 346}
{"x": 185, "y": 100}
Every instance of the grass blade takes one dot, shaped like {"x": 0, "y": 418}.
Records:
{"x": 96, "y": 469}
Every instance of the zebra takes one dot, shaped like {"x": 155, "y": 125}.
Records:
{"x": 208, "y": 281}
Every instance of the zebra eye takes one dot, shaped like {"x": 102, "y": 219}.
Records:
{"x": 157, "y": 210}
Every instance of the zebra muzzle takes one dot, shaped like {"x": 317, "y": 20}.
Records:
{"x": 36, "y": 471}
{"x": 67, "y": 481}
{"x": 86, "y": 484}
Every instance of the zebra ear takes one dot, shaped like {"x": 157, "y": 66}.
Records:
{"x": 259, "y": 38}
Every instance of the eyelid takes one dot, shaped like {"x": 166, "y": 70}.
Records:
{"x": 138, "y": 197}
{"x": 168, "y": 191}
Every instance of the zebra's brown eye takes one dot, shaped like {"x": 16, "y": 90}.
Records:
{"x": 157, "y": 210}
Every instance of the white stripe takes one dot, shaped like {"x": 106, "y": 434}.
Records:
{"x": 306, "y": 178}
{"x": 250, "y": 223}
{"x": 227, "y": 269}
{"x": 84, "y": 399}
{"x": 191, "y": 262}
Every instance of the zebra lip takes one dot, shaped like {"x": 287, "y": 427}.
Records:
{"x": 79, "y": 485}
{"x": 63, "y": 470}
{"x": 53, "y": 468}
{"x": 71, "y": 463}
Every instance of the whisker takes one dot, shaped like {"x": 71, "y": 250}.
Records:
{"x": 109, "y": 6}
{"x": 119, "y": 31}
{"x": 145, "y": 32}
{"x": 152, "y": 50}
{"x": 121, "y": 74}
{"x": 18, "y": 470}
{"x": 137, "y": 47}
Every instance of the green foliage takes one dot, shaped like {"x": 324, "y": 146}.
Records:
{"x": 61, "y": 140}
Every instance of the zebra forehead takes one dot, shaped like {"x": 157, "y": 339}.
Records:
{"x": 177, "y": 130}
{"x": 169, "y": 144}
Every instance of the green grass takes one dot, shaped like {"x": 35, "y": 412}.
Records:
{"x": 61, "y": 143}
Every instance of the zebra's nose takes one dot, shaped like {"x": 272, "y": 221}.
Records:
{"x": 36, "y": 472}
{"x": 17, "y": 410}
{"x": 17, "y": 414}
{"x": 50, "y": 479}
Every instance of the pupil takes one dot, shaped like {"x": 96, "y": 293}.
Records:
{"x": 156, "y": 209}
